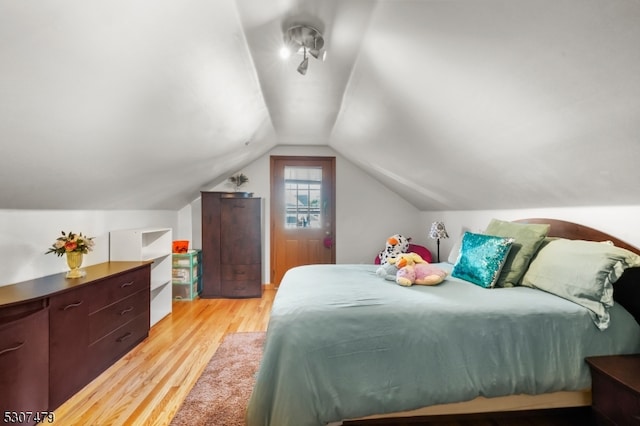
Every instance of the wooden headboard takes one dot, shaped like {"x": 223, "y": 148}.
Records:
{"x": 574, "y": 231}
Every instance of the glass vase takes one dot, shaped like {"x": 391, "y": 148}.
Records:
{"x": 74, "y": 260}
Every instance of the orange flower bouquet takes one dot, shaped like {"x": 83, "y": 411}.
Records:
{"x": 71, "y": 242}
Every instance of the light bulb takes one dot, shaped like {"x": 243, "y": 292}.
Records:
{"x": 285, "y": 52}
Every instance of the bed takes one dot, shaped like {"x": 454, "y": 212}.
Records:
{"x": 343, "y": 344}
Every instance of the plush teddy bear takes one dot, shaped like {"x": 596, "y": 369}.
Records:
{"x": 388, "y": 271}
{"x": 395, "y": 245}
{"x": 412, "y": 269}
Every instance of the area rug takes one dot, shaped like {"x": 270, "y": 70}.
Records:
{"x": 221, "y": 394}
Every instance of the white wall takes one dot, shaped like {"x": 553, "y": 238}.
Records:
{"x": 25, "y": 235}
{"x": 366, "y": 212}
{"x": 619, "y": 221}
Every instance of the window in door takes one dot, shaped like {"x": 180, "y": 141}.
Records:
{"x": 303, "y": 192}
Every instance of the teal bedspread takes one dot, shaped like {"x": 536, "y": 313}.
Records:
{"x": 344, "y": 343}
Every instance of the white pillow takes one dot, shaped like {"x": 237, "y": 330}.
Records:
{"x": 582, "y": 272}
{"x": 455, "y": 250}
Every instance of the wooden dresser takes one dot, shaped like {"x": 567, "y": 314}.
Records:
{"x": 58, "y": 334}
{"x": 231, "y": 245}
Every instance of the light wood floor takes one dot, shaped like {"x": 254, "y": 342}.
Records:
{"x": 147, "y": 386}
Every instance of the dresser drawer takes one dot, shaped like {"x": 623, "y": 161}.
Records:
{"x": 26, "y": 336}
{"x": 115, "y": 288}
{"x": 613, "y": 402}
{"x": 113, "y": 346}
{"x": 240, "y": 272}
{"x": 24, "y": 368}
{"x": 107, "y": 319}
{"x": 70, "y": 303}
{"x": 241, "y": 288}
{"x": 68, "y": 340}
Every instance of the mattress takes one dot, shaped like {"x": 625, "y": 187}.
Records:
{"x": 344, "y": 343}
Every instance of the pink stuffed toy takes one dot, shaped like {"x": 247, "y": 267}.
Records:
{"x": 412, "y": 269}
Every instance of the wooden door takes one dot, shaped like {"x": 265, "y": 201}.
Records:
{"x": 302, "y": 213}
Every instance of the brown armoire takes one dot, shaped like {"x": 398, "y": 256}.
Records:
{"x": 231, "y": 245}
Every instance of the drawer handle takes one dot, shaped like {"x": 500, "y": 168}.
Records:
{"x": 124, "y": 311}
{"x": 72, "y": 305}
{"x": 127, "y": 284}
{"x": 124, "y": 337}
{"x": 12, "y": 349}
{"x": 239, "y": 206}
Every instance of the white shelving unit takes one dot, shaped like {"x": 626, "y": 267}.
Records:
{"x": 152, "y": 244}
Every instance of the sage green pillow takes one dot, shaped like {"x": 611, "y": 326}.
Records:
{"x": 527, "y": 239}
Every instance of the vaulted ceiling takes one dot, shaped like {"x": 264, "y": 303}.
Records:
{"x": 453, "y": 104}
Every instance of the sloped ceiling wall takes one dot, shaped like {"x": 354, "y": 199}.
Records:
{"x": 499, "y": 104}
{"x": 453, "y": 104}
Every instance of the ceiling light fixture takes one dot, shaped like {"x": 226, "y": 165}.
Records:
{"x": 303, "y": 39}
{"x": 302, "y": 68}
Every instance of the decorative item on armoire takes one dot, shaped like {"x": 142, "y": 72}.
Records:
{"x": 438, "y": 232}
{"x": 238, "y": 180}
{"x": 74, "y": 246}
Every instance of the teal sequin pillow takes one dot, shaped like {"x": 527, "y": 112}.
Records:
{"x": 481, "y": 258}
